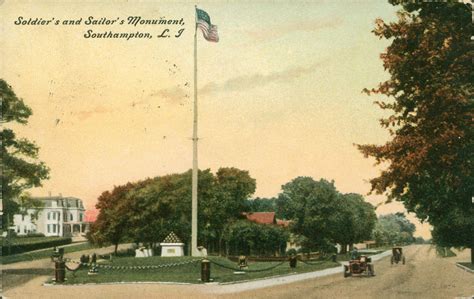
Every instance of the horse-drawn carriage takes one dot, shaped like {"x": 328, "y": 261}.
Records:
{"x": 397, "y": 256}
{"x": 361, "y": 265}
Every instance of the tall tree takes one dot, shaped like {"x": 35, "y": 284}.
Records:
{"x": 232, "y": 188}
{"x": 431, "y": 150}
{"x": 356, "y": 220}
{"x": 312, "y": 206}
{"x": 20, "y": 168}
{"x": 111, "y": 224}
{"x": 147, "y": 211}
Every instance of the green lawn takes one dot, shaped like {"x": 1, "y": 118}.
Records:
{"x": 41, "y": 254}
{"x": 188, "y": 273}
{"x": 469, "y": 265}
{"x": 445, "y": 252}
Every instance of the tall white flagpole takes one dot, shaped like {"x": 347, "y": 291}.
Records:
{"x": 194, "y": 220}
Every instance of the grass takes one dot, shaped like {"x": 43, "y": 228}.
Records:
{"x": 189, "y": 273}
{"x": 41, "y": 254}
{"x": 468, "y": 265}
{"x": 445, "y": 252}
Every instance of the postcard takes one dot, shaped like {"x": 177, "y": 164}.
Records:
{"x": 177, "y": 149}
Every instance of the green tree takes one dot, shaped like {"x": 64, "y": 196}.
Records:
{"x": 430, "y": 154}
{"x": 261, "y": 205}
{"x": 20, "y": 168}
{"x": 147, "y": 211}
{"x": 313, "y": 208}
{"x": 232, "y": 189}
{"x": 112, "y": 222}
{"x": 356, "y": 220}
{"x": 249, "y": 238}
{"x": 27, "y": 204}
{"x": 394, "y": 229}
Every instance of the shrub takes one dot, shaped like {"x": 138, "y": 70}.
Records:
{"x": 32, "y": 235}
{"x": 249, "y": 238}
{"x": 20, "y": 245}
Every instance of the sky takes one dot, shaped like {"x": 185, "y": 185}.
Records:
{"x": 279, "y": 95}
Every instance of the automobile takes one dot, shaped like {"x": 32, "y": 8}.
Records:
{"x": 397, "y": 256}
{"x": 360, "y": 266}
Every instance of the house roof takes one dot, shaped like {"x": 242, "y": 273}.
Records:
{"x": 284, "y": 223}
{"x": 70, "y": 202}
{"x": 261, "y": 217}
{"x": 91, "y": 215}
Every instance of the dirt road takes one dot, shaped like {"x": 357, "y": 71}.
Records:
{"x": 424, "y": 276}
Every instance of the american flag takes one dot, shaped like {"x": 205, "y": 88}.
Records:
{"x": 209, "y": 31}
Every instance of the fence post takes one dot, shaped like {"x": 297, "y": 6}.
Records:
{"x": 205, "y": 270}
{"x": 293, "y": 261}
{"x": 60, "y": 271}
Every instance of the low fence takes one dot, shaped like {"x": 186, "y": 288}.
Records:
{"x": 301, "y": 257}
{"x": 241, "y": 266}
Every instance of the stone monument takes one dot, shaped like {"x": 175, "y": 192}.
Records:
{"x": 172, "y": 246}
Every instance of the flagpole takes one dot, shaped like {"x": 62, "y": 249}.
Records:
{"x": 194, "y": 220}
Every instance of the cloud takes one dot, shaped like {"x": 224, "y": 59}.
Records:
{"x": 284, "y": 29}
{"x": 257, "y": 80}
{"x": 82, "y": 115}
{"x": 177, "y": 94}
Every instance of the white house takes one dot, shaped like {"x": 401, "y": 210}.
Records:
{"x": 59, "y": 216}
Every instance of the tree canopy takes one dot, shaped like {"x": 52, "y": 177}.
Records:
{"x": 147, "y": 211}
{"x": 394, "y": 229}
{"x": 430, "y": 153}
{"x": 21, "y": 169}
{"x": 249, "y": 238}
{"x": 323, "y": 216}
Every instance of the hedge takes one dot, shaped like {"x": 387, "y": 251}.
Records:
{"x": 34, "y": 244}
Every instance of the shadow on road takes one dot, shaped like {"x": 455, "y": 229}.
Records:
{"x": 16, "y": 277}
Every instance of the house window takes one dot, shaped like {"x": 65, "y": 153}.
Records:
{"x": 18, "y": 229}
{"x": 22, "y": 217}
{"x": 54, "y": 228}
{"x": 59, "y": 216}
{"x": 49, "y": 215}
{"x": 24, "y": 229}
{"x": 80, "y": 217}
{"x": 71, "y": 217}
{"x": 49, "y": 229}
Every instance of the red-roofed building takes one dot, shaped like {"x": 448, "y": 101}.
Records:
{"x": 269, "y": 218}
{"x": 261, "y": 217}
{"x": 284, "y": 223}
